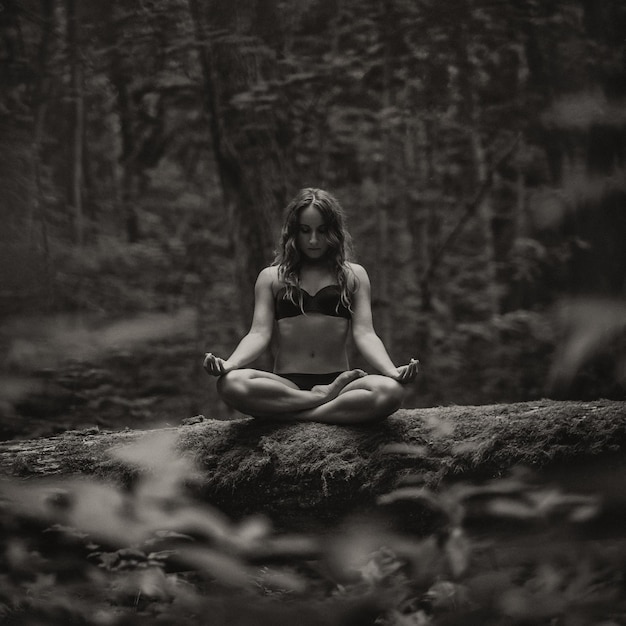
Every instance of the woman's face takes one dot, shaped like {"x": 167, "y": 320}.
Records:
{"x": 312, "y": 234}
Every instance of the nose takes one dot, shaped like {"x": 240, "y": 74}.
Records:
{"x": 313, "y": 238}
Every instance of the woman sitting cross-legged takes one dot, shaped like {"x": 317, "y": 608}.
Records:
{"x": 313, "y": 297}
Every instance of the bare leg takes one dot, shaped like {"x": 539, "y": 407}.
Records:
{"x": 263, "y": 394}
{"x": 364, "y": 400}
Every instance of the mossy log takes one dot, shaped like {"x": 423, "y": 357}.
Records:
{"x": 317, "y": 470}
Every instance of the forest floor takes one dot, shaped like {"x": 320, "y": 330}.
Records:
{"x": 494, "y": 514}
{"x": 122, "y": 504}
{"x": 157, "y": 384}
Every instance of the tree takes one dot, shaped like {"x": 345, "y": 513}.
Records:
{"x": 245, "y": 137}
{"x": 75, "y": 185}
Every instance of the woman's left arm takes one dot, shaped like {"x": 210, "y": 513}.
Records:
{"x": 365, "y": 338}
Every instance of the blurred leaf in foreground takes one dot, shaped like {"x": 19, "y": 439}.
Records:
{"x": 589, "y": 326}
{"x": 165, "y": 471}
{"x": 13, "y": 388}
{"x": 46, "y": 342}
{"x": 585, "y": 109}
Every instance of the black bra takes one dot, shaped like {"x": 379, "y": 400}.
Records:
{"x": 326, "y": 301}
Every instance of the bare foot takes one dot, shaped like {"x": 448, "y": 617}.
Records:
{"x": 330, "y": 392}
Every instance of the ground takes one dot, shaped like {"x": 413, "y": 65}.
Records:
{"x": 497, "y": 514}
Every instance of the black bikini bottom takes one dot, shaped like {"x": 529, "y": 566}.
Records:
{"x": 308, "y": 381}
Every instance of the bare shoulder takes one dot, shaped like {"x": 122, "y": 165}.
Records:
{"x": 360, "y": 273}
{"x": 358, "y": 269}
{"x": 267, "y": 276}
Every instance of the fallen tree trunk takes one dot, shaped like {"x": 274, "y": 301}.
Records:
{"x": 296, "y": 470}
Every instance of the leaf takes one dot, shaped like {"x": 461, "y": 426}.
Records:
{"x": 523, "y": 606}
{"x": 584, "y": 513}
{"x": 585, "y": 109}
{"x": 553, "y": 502}
{"x": 153, "y": 583}
{"x": 412, "y": 494}
{"x": 97, "y": 509}
{"x": 252, "y": 530}
{"x": 161, "y": 535}
{"x": 440, "y": 428}
{"x": 197, "y": 520}
{"x": 284, "y": 548}
{"x": 499, "y": 487}
{"x": 589, "y": 325}
{"x": 458, "y": 550}
{"x": 511, "y": 508}
{"x": 405, "y": 449}
{"x": 105, "y": 513}
{"x": 166, "y": 469}
{"x": 282, "y": 580}
{"x": 14, "y": 388}
{"x": 19, "y": 558}
{"x": 226, "y": 569}
{"x": 418, "y": 618}
{"x": 47, "y": 342}
{"x": 161, "y": 555}
{"x": 446, "y": 596}
{"x": 42, "y": 583}
{"x": 350, "y": 550}
{"x": 381, "y": 565}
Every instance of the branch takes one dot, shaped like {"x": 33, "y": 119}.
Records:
{"x": 470, "y": 211}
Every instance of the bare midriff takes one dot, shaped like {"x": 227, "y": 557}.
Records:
{"x": 311, "y": 344}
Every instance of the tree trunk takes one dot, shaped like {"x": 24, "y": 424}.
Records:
{"x": 383, "y": 299}
{"x": 419, "y": 206}
{"x": 469, "y": 77}
{"x": 251, "y": 190}
{"x": 485, "y": 217}
{"x": 78, "y": 115}
{"x": 38, "y": 213}
{"x": 318, "y": 470}
{"x": 126, "y": 183}
{"x": 428, "y": 205}
{"x": 40, "y": 102}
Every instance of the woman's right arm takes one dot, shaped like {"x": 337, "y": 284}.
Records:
{"x": 252, "y": 346}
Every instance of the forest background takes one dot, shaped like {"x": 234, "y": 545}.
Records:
{"x": 148, "y": 149}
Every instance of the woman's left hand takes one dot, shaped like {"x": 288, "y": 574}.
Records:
{"x": 407, "y": 373}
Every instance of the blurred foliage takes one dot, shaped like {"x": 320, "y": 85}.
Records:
{"x": 201, "y": 119}
{"x": 509, "y": 551}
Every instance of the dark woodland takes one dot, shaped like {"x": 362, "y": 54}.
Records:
{"x": 147, "y": 151}
{"x": 149, "y": 148}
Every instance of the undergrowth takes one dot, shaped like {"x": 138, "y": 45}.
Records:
{"x": 508, "y": 551}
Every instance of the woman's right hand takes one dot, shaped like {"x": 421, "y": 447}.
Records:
{"x": 216, "y": 366}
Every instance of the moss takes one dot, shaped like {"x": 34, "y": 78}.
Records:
{"x": 250, "y": 465}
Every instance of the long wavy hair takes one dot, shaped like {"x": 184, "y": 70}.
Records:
{"x": 289, "y": 257}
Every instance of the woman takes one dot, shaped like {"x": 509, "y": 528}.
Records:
{"x": 313, "y": 297}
